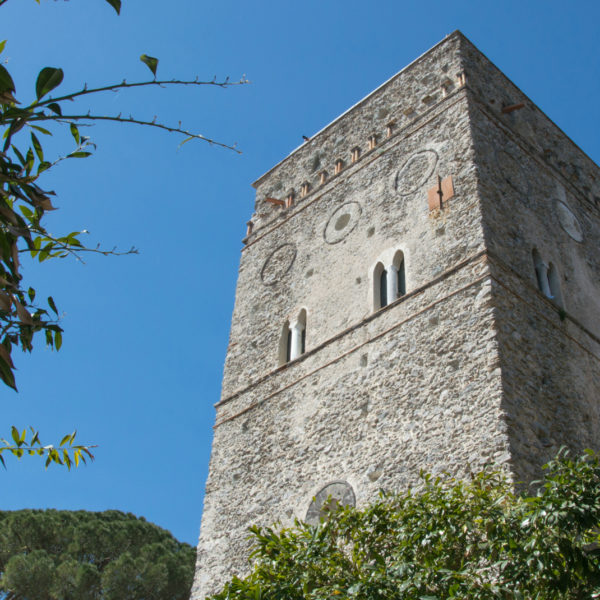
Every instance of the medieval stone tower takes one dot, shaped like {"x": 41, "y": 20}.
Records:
{"x": 419, "y": 289}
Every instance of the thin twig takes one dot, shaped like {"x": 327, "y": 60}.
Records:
{"x": 117, "y": 119}
{"x": 124, "y": 84}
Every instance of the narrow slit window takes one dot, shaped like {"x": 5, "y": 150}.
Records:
{"x": 383, "y": 300}
{"x": 401, "y": 279}
{"x": 339, "y": 165}
{"x": 541, "y": 273}
{"x": 554, "y": 285}
{"x": 288, "y": 350}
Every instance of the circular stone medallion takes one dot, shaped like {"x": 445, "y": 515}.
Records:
{"x": 278, "y": 264}
{"x": 568, "y": 221}
{"x": 342, "y": 222}
{"x": 334, "y": 493}
{"x": 415, "y": 172}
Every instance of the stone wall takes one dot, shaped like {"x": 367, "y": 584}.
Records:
{"x": 538, "y": 190}
{"x": 417, "y": 387}
{"x": 472, "y": 365}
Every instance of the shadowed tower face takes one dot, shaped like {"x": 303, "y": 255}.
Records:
{"x": 419, "y": 289}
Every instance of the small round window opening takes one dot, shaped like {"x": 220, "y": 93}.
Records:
{"x": 342, "y": 221}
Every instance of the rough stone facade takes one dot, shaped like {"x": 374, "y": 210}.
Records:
{"x": 473, "y": 364}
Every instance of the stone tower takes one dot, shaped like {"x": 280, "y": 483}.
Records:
{"x": 419, "y": 289}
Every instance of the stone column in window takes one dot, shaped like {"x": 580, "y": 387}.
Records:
{"x": 392, "y": 283}
{"x": 541, "y": 270}
{"x": 296, "y": 339}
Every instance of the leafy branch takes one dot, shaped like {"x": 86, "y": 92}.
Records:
{"x": 24, "y": 203}
{"x": 67, "y": 453}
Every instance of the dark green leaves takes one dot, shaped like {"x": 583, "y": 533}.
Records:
{"x": 55, "y": 108}
{"x": 6, "y": 82}
{"x": 47, "y": 80}
{"x": 150, "y": 62}
{"x": 473, "y": 539}
{"x": 116, "y": 4}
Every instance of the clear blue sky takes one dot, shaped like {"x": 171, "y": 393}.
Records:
{"x": 145, "y": 336}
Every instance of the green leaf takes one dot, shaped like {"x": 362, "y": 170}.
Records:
{"x": 2, "y": 44}
{"x": 6, "y": 82}
{"x": 75, "y": 133}
{"x": 55, "y": 107}
{"x": 79, "y": 154}
{"x": 150, "y": 62}
{"x": 37, "y": 147}
{"x": 50, "y": 299}
{"x": 7, "y": 375}
{"x": 43, "y": 166}
{"x": 57, "y": 340}
{"x": 41, "y": 129}
{"x": 14, "y": 432}
{"x": 47, "y": 80}
{"x": 116, "y": 4}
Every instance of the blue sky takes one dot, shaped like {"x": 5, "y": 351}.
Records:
{"x": 145, "y": 336}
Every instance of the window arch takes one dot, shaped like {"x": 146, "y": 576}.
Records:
{"x": 554, "y": 284}
{"x": 541, "y": 272}
{"x": 379, "y": 286}
{"x": 389, "y": 279}
{"x": 400, "y": 273}
{"x": 285, "y": 341}
{"x": 548, "y": 278}
{"x": 292, "y": 342}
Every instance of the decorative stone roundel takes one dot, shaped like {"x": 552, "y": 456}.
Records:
{"x": 415, "y": 172}
{"x": 342, "y": 222}
{"x": 568, "y": 221}
{"x": 278, "y": 263}
{"x": 334, "y": 493}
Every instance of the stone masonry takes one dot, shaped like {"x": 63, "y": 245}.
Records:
{"x": 477, "y": 362}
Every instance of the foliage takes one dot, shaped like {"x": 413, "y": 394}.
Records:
{"x": 24, "y": 204}
{"x": 68, "y": 453}
{"x": 448, "y": 539}
{"x": 63, "y": 555}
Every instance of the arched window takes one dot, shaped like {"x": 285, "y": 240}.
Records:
{"x": 548, "y": 279}
{"x": 541, "y": 273}
{"x": 379, "y": 286}
{"x": 383, "y": 279}
{"x": 554, "y": 284}
{"x": 301, "y": 333}
{"x": 285, "y": 344}
{"x": 389, "y": 283}
{"x": 293, "y": 339}
{"x": 400, "y": 275}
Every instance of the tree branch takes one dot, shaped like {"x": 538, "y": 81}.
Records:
{"x": 118, "y": 119}
{"x": 124, "y": 84}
